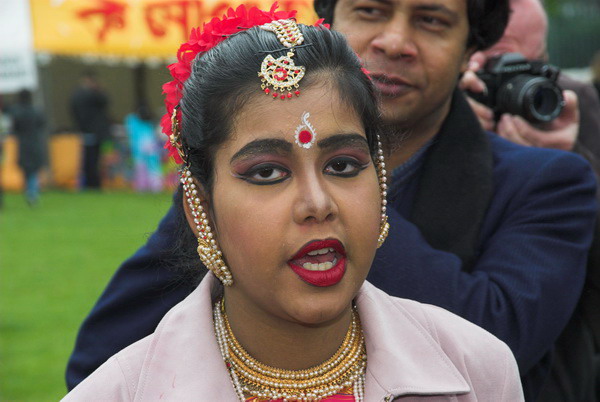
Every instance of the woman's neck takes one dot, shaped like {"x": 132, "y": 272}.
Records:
{"x": 283, "y": 344}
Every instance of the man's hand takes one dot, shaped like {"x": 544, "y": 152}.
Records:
{"x": 561, "y": 133}
{"x": 471, "y": 82}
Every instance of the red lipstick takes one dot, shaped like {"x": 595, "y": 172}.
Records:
{"x": 325, "y": 266}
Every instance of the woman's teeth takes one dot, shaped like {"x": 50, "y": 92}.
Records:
{"x": 321, "y": 251}
{"x": 322, "y": 266}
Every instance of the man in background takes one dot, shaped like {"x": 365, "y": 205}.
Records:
{"x": 575, "y": 374}
{"x": 89, "y": 107}
{"x": 577, "y": 128}
{"x": 28, "y": 126}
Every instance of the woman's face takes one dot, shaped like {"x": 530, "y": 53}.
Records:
{"x": 298, "y": 226}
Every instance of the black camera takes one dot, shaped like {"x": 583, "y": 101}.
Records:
{"x": 521, "y": 87}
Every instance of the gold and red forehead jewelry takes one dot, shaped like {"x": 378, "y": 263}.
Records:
{"x": 281, "y": 73}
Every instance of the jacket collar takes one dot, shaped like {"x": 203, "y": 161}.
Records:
{"x": 456, "y": 184}
{"x": 184, "y": 361}
{"x": 403, "y": 357}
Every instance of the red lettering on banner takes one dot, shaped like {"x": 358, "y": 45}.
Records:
{"x": 111, "y": 14}
{"x": 161, "y": 15}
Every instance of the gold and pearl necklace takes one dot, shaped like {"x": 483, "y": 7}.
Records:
{"x": 344, "y": 369}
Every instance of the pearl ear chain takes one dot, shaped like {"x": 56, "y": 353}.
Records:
{"x": 384, "y": 227}
{"x": 345, "y": 369}
{"x": 208, "y": 248}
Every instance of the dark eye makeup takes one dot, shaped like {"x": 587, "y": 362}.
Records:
{"x": 344, "y": 166}
{"x": 264, "y": 173}
{"x": 272, "y": 173}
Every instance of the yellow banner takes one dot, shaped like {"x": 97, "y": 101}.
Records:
{"x": 131, "y": 28}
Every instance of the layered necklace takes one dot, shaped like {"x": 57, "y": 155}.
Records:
{"x": 345, "y": 369}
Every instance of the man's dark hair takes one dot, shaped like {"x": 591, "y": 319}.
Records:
{"x": 89, "y": 73}
{"x": 24, "y": 97}
{"x": 487, "y": 20}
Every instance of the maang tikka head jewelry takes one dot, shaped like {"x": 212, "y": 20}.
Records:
{"x": 208, "y": 249}
{"x": 281, "y": 73}
{"x": 384, "y": 226}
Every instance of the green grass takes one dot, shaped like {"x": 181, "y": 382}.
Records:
{"x": 55, "y": 259}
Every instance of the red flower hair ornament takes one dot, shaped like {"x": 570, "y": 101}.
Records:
{"x": 201, "y": 40}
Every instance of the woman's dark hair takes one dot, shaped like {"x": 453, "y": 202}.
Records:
{"x": 487, "y": 20}
{"x": 225, "y": 79}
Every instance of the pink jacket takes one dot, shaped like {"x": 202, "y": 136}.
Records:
{"x": 414, "y": 351}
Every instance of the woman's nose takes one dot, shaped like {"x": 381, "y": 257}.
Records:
{"x": 314, "y": 201}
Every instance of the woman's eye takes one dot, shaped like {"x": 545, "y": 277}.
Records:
{"x": 344, "y": 167}
{"x": 266, "y": 175}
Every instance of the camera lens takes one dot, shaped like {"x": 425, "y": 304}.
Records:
{"x": 535, "y": 98}
{"x": 545, "y": 102}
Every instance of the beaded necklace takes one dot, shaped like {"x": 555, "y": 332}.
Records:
{"x": 344, "y": 369}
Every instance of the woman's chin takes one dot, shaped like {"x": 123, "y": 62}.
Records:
{"x": 315, "y": 306}
{"x": 318, "y": 312}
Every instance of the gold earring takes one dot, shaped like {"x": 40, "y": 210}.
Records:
{"x": 384, "y": 226}
{"x": 208, "y": 249}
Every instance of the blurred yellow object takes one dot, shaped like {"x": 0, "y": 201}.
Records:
{"x": 64, "y": 159}
{"x": 131, "y": 29}
{"x": 12, "y": 176}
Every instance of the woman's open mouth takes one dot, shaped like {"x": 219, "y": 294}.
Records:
{"x": 320, "y": 262}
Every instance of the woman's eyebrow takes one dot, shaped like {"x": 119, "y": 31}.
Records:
{"x": 263, "y": 146}
{"x": 343, "y": 140}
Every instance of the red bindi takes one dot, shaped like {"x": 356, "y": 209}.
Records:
{"x": 305, "y": 136}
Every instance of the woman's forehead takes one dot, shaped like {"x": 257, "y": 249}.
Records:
{"x": 317, "y": 112}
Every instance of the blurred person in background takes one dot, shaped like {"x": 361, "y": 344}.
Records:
{"x": 145, "y": 149}
{"x": 575, "y": 374}
{"x": 595, "y": 67}
{"x": 5, "y": 126}
{"x": 28, "y": 127}
{"x": 577, "y": 128}
{"x": 89, "y": 107}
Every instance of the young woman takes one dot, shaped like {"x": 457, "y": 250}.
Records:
{"x": 283, "y": 186}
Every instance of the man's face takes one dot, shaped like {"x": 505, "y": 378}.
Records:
{"x": 526, "y": 31}
{"x": 414, "y": 49}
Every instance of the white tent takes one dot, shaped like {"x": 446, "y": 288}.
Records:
{"x": 17, "y": 58}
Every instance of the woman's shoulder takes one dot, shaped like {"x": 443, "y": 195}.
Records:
{"x": 436, "y": 338}
{"x": 116, "y": 379}
{"x": 441, "y": 324}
